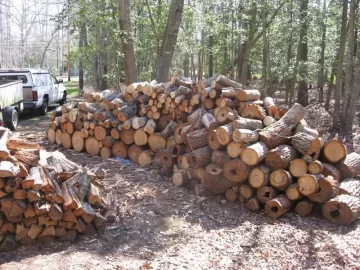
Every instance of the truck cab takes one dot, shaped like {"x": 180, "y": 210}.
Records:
{"x": 40, "y": 88}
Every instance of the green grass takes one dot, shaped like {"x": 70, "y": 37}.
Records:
{"x": 72, "y": 88}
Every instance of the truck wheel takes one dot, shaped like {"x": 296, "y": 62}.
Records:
{"x": 44, "y": 107}
{"x": 63, "y": 100}
{"x": 12, "y": 118}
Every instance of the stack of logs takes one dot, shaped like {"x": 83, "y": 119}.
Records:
{"x": 221, "y": 139}
{"x": 45, "y": 199}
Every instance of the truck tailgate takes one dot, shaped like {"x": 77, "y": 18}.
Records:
{"x": 27, "y": 93}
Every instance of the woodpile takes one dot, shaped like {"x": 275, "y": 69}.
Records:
{"x": 219, "y": 138}
{"x": 46, "y": 198}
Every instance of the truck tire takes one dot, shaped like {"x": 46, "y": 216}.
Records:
{"x": 63, "y": 100}
{"x": 12, "y": 118}
{"x": 44, "y": 107}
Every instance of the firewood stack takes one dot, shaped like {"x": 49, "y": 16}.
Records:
{"x": 227, "y": 142}
{"x": 45, "y": 199}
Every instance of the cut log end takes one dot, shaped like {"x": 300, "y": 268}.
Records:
{"x": 343, "y": 209}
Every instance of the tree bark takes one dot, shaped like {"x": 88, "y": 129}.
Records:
{"x": 169, "y": 41}
{"x": 130, "y": 66}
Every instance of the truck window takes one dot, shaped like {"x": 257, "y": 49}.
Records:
{"x": 41, "y": 79}
{"x": 22, "y": 78}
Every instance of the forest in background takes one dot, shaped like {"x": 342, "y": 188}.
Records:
{"x": 290, "y": 45}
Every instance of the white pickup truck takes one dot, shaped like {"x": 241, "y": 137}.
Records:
{"x": 11, "y": 103}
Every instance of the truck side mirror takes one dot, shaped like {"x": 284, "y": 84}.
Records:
{"x": 60, "y": 80}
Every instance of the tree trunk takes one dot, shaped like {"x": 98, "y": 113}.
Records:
{"x": 302, "y": 95}
{"x": 322, "y": 57}
{"x": 130, "y": 67}
{"x": 169, "y": 41}
{"x": 349, "y": 79}
{"x": 339, "y": 72}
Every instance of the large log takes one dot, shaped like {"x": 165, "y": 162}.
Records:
{"x": 197, "y": 139}
{"x": 331, "y": 170}
{"x": 134, "y": 152}
{"x": 141, "y": 137}
{"x": 248, "y": 95}
{"x": 350, "y": 186}
{"x": 236, "y": 171}
{"x": 307, "y": 144}
{"x": 92, "y": 146}
{"x": 259, "y": 176}
{"x": 334, "y": 151}
{"x": 120, "y": 149}
{"x": 214, "y": 180}
{"x": 350, "y": 166}
{"x": 224, "y": 134}
{"x": 328, "y": 189}
{"x": 221, "y": 79}
{"x": 303, "y": 127}
{"x": 200, "y": 157}
{"x": 254, "y": 154}
{"x": 77, "y": 141}
{"x": 127, "y": 136}
{"x": 279, "y": 132}
{"x": 280, "y": 157}
{"x": 278, "y": 206}
{"x": 146, "y": 158}
{"x": 156, "y": 142}
{"x": 343, "y": 209}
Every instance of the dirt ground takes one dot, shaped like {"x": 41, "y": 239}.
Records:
{"x": 164, "y": 227}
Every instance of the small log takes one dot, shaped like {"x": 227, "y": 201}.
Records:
{"x": 253, "y": 204}
{"x": 232, "y": 194}
{"x": 293, "y": 193}
{"x": 343, "y": 209}
{"x": 146, "y": 158}
{"x": 304, "y": 208}
{"x": 244, "y": 123}
{"x": 50, "y": 134}
{"x": 200, "y": 157}
{"x": 180, "y": 178}
{"x": 213, "y": 141}
{"x": 268, "y": 120}
{"x": 209, "y": 121}
{"x": 328, "y": 189}
{"x": 254, "y": 154}
{"x": 234, "y": 149}
{"x": 278, "y": 206}
{"x": 280, "y": 157}
{"x": 279, "y": 132}
{"x": 221, "y": 79}
{"x": 315, "y": 167}
{"x": 7, "y": 169}
{"x": 248, "y": 95}
{"x": 259, "y": 176}
{"x": 150, "y": 126}
{"x": 224, "y": 115}
{"x": 245, "y": 135}
{"x": 350, "y": 166}
{"x": 236, "y": 171}
{"x": 247, "y": 191}
{"x": 214, "y": 180}
{"x": 141, "y": 137}
{"x": 224, "y": 134}
{"x": 298, "y": 167}
{"x": 12, "y": 184}
{"x": 253, "y": 111}
{"x": 280, "y": 179}
{"x": 166, "y": 158}
{"x": 334, "y": 151}
{"x": 309, "y": 183}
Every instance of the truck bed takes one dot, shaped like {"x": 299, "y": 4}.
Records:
{"x": 10, "y": 93}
